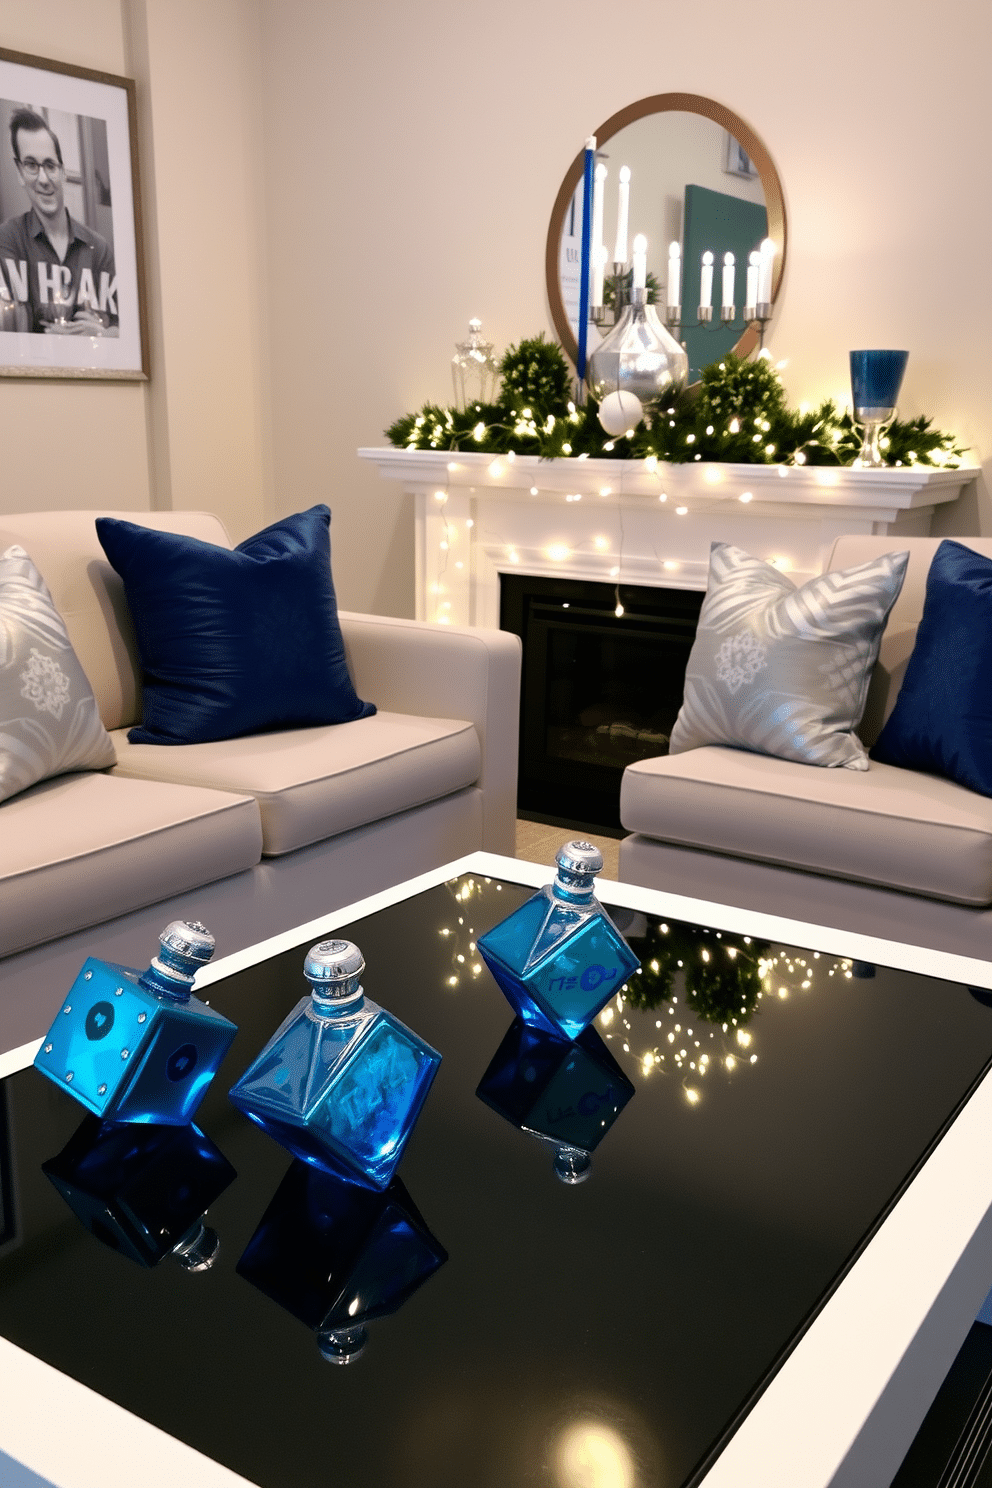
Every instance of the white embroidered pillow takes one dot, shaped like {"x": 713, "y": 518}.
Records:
{"x": 781, "y": 670}
{"x": 49, "y": 721}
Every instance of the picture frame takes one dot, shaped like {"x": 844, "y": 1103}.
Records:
{"x": 72, "y": 284}
{"x": 736, "y": 161}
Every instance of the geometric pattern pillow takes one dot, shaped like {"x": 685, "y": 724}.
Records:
{"x": 785, "y": 671}
{"x": 49, "y": 721}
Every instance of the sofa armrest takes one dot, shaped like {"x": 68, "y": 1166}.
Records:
{"x": 442, "y": 671}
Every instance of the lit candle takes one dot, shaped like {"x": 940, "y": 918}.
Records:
{"x": 640, "y": 262}
{"x": 752, "y": 280}
{"x": 674, "y": 267}
{"x": 598, "y": 191}
{"x": 598, "y": 265}
{"x": 623, "y": 211}
{"x": 729, "y": 275}
{"x": 706, "y": 281}
{"x": 767, "y": 257}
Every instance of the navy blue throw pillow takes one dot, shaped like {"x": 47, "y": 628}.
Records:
{"x": 942, "y": 720}
{"x": 234, "y": 643}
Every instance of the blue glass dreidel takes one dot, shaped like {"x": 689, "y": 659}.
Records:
{"x": 337, "y": 1256}
{"x": 559, "y": 958}
{"x": 138, "y": 1046}
{"x": 341, "y": 1082}
{"x": 144, "y": 1190}
{"x": 567, "y": 1095}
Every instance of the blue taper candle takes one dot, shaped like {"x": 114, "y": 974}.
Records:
{"x": 586, "y": 253}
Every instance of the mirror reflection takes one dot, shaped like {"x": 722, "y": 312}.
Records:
{"x": 697, "y": 184}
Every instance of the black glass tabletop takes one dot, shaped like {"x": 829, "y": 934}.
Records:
{"x": 593, "y": 1259}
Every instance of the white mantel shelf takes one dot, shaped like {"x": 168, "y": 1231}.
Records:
{"x": 618, "y": 521}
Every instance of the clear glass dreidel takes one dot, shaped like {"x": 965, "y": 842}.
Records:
{"x": 341, "y": 1082}
{"x": 144, "y": 1191}
{"x": 337, "y": 1256}
{"x": 567, "y": 1095}
{"x": 559, "y": 958}
{"x": 138, "y": 1046}
{"x": 474, "y": 369}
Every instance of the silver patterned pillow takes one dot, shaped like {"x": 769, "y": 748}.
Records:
{"x": 781, "y": 670}
{"x": 49, "y": 721}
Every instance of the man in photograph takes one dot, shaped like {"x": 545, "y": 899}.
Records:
{"x": 60, "y": 273}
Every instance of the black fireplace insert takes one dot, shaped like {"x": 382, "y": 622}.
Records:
{"x": 600, "y": 689}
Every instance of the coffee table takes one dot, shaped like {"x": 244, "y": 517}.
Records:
{"x": 763, "y": 1281}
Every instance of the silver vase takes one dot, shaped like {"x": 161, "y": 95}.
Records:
{"x": 638, "y": 356}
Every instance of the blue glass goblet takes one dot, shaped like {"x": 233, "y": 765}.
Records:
{"x": 876, "y": 377}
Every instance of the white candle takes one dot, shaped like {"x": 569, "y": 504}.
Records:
{"x": 598, "y": 190}
{"x": 752, "y": 280}
{"x": 706, "y": 281}
{"x": 640, "y": 262}
{"x": 598, "y": 265}
{"x": 729, "y": 275}
{"x": 767, "y": 257}
{"x": 623, "y": 211}
{"x": 674, "y": 267}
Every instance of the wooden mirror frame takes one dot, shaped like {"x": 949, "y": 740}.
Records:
{"x": 666, "y": 103}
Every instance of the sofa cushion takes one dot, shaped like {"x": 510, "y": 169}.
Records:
{"x": 314, "y": 783}
{"x": 942, "y": 721}
{"x": 234, "y": 642}
{"x": 785, "y": 670}
{"x": 81, "y": 849}
{"x": 49, "y": 722}
{"x": 884, "y": 826}
{"x": 89, "y": 595}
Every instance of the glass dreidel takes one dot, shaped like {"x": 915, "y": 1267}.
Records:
{"x": 341, "y": 1082}
{"x": 337, "y": 1256}
{"x": 144, "y": 1190}
{"x": 567, "y": 1095}
{"x": 138, "y": 1046}
{"x": 559, "y": 958}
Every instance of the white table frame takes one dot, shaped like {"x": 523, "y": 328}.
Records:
{"x": 841, "y": 1411}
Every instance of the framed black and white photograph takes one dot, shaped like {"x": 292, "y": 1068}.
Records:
{"x": 71, "y": 272}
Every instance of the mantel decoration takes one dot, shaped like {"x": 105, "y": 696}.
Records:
{"x": 738, "y": 413}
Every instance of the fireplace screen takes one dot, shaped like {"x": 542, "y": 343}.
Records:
{"x": 600, "y": 690}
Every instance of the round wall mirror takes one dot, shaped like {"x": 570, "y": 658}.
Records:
{"x": 699, "y": 177}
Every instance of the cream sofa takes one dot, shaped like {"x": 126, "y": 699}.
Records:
{"x": 250, "y": 835}
{"x": 888, "y": 852}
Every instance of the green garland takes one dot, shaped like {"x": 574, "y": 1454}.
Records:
{"x": 737, "y": 412}
{"x": 722, "y": 974}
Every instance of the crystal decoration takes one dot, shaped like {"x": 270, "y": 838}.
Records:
{"x": 474, "y": 369}
{"x": 566, "y": 1094}
{"x": 138, "y": 1046}
{"x": 559, "y": 958}
{"x": 144, "y": 1190}
{"x": 341, "y": 1082}
{"x": 337, "y": 1256}
{"x": 639, "y": 355}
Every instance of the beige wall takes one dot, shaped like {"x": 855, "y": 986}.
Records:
{"x": 332, "y": 190}
{"x": 195, "y": 435}
{"x": 63, "y": 445}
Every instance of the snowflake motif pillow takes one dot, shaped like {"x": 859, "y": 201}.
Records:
{"x": 49, "y": 721}
{"x": 781, "y": 670}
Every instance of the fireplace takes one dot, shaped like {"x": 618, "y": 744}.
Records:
{"x": 599, "y": 690}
